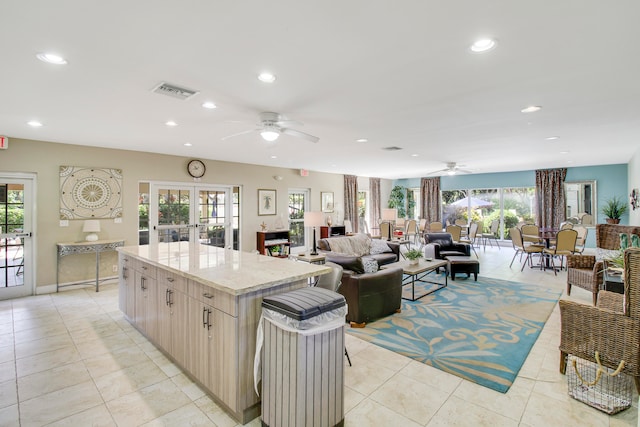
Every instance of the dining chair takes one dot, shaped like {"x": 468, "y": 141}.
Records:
{"x": 492, "y": 235}
{"x": 455, "y": 231}
{"x": 531, "y": 234}
{"x": 411, "y": 230}
{"x": 435, "y": 227}
{"x": 518, "y": 244}
{"x": 348, "y": 227}
{"x": 422, "y": 225}
{"x": 582, "y": 237}
{"x": 470, "y": 238}
{"x": 386, "y": 231}
{"x": 565, "y": 245}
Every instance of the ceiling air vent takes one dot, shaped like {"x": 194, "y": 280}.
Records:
{"x": 174, "y": 91}
{"x": 392, "y": 148}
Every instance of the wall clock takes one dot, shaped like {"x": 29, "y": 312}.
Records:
{"x": 196, "y": 168}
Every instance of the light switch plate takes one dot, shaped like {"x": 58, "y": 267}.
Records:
{"x": 117, "y": 220}
{"x": 64, "y": 223}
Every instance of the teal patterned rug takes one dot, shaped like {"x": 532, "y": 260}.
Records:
{"x": 480, "y": 331}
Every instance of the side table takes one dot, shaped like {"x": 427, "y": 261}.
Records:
{"x": 72, "y": 248}
{"x": 311, "y": 259}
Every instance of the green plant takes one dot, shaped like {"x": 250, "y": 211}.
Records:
{"x": 396, "y": 200}
{"x": 614, "y": 208}
{"x": 275, "y": 249}
{"x": 617, "y": 260}
{"x": 413, "y": 254}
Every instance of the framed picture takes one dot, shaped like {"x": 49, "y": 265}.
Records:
{"x": 266, "y": 202}
{"x": 326, "y": 198}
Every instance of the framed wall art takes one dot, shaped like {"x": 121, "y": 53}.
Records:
{"x": 87, "y": 192}
{"x": 326, "y": 198}
{"x": 267, "y": 202}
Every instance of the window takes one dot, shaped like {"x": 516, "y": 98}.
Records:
{"x": 297, "y": 206}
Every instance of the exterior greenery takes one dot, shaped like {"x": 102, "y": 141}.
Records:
{"x": 396, "y": 200}
{"x": 614, "y": 208}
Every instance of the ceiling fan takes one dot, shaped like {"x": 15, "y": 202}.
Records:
{"x": 451, "y": 169}
{"x": 272, "y": 125}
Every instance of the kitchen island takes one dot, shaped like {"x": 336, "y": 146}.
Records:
{"x": 201, "y": 305}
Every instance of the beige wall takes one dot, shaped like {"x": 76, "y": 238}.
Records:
{"x": 45, "y": 158}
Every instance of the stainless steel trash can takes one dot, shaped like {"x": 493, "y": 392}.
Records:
{"x": 302, "y": 365}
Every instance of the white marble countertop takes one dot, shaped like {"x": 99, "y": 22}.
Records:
{"x": 227, "y": 270}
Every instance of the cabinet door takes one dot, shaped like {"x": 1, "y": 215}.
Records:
{"x": 145, "y": 304}
{"x": 163, "y": 304}
{"x": 127, "y": 291}
{"x": 198, "y": 340}
{"x": 223, "y": 373}
{"x": 179, "y": 326}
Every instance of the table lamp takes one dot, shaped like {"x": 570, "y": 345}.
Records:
{"x": 313, "y": 219}
{"x": 91, "y": 226}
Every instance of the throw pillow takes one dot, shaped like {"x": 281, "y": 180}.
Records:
{"x": 361, "y": 244}
{"x": 370, "y": 265}
{"x": 352, "y": 263}
{"x": 379, "y": 246}
{"x": 635, "y": 241}
{"x": 602, "y": 254}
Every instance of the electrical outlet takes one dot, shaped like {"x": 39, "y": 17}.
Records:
{"x": 115, "y": 268}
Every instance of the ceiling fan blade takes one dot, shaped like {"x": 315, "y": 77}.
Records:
{"x": 299, "y": 134}
{"x": 438, "y": 171}
{"x": 237, "y": 134}
{"x": 286, "y": 123}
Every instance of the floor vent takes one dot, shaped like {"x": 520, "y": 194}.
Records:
{"x": 174, "y": 91}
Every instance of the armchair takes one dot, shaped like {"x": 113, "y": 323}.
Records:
{"x": 439, "y": 245}
{"x": 371, "y": 295}
{"x": 612, "y": 328}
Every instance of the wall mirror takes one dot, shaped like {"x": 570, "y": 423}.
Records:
{"x": 581, "y": 201}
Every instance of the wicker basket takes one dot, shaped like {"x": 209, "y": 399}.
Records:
{"x": 600, "y": 387}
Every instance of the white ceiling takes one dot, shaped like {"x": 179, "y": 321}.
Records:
{"x": 396, "y": 73}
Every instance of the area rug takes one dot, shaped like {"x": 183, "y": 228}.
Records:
{"x": 480, "y": 331}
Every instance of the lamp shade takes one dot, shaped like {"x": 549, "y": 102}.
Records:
{"x": 389, "y": 214}
{"x": 91, "y": 226}
{"x": 313, "y": 219}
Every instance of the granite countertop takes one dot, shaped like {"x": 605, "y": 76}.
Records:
{"x": 227, "y": 270}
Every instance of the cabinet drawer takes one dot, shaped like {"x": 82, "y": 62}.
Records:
{"x": 147, "y": 270}
{"x": 217, "y": 299}
{"x": 167, "y": 278}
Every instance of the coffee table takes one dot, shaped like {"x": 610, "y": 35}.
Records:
{"x": 417, "y": 273}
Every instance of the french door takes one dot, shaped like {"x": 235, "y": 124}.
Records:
{"x": 17, "y": 210}
{"x": 203, "y": 214}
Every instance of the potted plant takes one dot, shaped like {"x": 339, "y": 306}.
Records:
{"x": 275, "y": 250}
{"x": 413, "y": 255}
{"x": 613, "y": 209}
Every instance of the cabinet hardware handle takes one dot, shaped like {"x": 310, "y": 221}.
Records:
{"x": 166, "y": 297}
{"x": 209, "y": 319}
{"x": 170, "y": 297}
{"x": 142, "y": 282}
{"x": 207, "y": 295}
{"x": 124, "y": 273}
{"x": 204, "y": 317}
{"x": 170, "y": 279}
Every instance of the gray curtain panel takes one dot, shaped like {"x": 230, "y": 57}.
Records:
{"x": 430, "y": 196}
{"x": 550, "y": 200}
{"x": 351, "y": 200}
{"x": 374, "y": 196}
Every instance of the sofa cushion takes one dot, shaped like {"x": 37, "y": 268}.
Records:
{"x": 358, "y": 245}
{"x": 385, "y": 258}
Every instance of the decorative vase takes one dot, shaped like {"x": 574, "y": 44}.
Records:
{"x": 613, "y": 220}
{"x": 414, "y": 261}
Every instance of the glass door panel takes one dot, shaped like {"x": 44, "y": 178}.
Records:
{"x": 297, "y": 207}
{"x": 519, "y": 205}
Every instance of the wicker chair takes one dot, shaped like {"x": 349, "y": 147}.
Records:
{"x": 583, "y": 270}
{"x": 612, "y": 328}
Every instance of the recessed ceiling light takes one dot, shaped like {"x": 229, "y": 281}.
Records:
{"x": 209, "y": 105}
{"x": 483, "y": 45}
{"x": 551, "y": 138}
{"x": 267, "y": 77}
{"x": 564, "y": 152}
{"x": 34, "y": 123}
{"x": 531, "y": 109}
{"x": 274, "y": 157}
{"x": 51, "y": 58}
{"x": 171, "y": 123}
{"x": 188, "y": 144}
{"x": 414, "y": 155}
{"x": 362, "y": 140}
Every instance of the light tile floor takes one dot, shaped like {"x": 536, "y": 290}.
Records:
{"x": 71, "y": 359}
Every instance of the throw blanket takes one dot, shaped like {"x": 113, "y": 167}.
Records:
{"x": 357, "y": 245}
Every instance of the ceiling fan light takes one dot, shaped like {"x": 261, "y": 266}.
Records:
{"x": 269, "y": 135}
{"x": 451, "y": 172}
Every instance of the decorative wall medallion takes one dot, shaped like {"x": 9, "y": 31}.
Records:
{"x": 90, "y": 192}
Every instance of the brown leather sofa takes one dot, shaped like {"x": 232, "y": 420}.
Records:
{"x": 392, "y": 255}
{"x": 371, "y": 296}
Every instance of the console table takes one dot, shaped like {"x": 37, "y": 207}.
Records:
{"x": 73, "y": 248}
